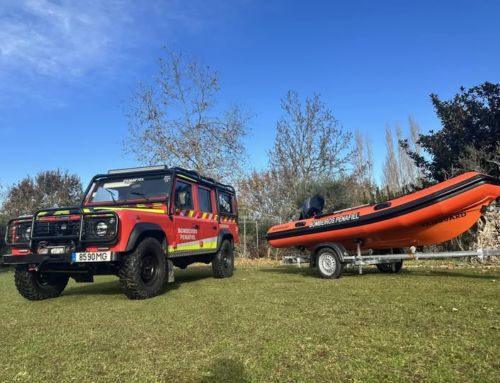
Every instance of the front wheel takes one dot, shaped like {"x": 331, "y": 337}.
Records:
{"x": 143, "y": 272}
{"x": 36, "y": 286}
{"x": 328, "y": 264}
{"x": 223, "y": 262}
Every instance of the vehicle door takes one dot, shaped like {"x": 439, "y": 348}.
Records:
{"x": 206, "y": 219}
{"x": 227, "y": 210}
{"x": 185, "y": 225}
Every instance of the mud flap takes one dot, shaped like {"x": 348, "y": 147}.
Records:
{"x": 170, "y": 270}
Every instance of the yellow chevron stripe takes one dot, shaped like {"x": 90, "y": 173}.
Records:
{"x": 62, "y": 212}
{"x": 206, "y": 245}
{"x": 145, "y": 210}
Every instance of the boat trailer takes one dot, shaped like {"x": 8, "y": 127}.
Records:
{"x": 390, "y": 263}
{"x": 361, "y": 260}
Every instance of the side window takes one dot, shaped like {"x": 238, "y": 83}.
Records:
{"x": 183, "y": 195}
{"x": 225, "y": 203}
{"x": 204, "y": 200}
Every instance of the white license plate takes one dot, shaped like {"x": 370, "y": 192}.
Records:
{"x": 88, "y": 256}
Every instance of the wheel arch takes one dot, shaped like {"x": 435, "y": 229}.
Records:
{"x": 336, "y": 247}
{"x": 143, "y": 230}
{"x": 224, "y": 235}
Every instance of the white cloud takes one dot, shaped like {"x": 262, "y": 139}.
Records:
{"x": 62, "y": 39}
{"x": 48, "y": 43}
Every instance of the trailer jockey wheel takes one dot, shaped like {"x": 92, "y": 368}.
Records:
{"x": 328, "y": 263}
{"x": 394, "y": 267}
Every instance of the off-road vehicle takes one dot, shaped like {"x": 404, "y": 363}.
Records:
{"x": 134, "y": 223}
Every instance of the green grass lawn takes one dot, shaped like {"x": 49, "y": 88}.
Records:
{"x": 266, "y": 324}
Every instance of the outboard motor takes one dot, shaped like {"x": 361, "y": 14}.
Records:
{"x": 312, "y": 206}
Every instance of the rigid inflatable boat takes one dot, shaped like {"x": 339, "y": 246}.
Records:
{"x": 426, "y": 217}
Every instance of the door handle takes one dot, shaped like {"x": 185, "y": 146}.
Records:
{"x": 196, "y": 226}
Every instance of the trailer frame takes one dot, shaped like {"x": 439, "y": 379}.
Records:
{"x": 360, "y": 259}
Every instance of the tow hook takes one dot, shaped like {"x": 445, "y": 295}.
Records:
{"x": 35, "y": 268}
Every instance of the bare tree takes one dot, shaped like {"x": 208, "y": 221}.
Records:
{"x": 415, "y": 148}
{"x": 176, "y": 121}
{"x": 360, "y": 166}
{"x": 407, "y": 169}
{"x": 265, "y": 194}
{"x": 309, "y": 144}
{"x": 363, "y": 169}
{"x": 363, "y": 159}
{"x": 390, "y": 176}
{"x": 369, "y": 163}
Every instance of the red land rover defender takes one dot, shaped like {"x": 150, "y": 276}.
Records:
{"x": 134, "y": 223}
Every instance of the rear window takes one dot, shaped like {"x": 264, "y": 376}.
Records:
{"x": 204, "y": 200}
{"x": 225, "y": 203}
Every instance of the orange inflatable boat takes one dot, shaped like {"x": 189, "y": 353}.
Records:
{"x": 426, "y": 217}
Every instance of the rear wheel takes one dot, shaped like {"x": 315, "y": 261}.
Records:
{"x": 393, "y": 267}
{"x": 223, "y": 262}
{"x": 328, "y": 264}
{"x": 36, "y": 286}
{"x": 143, "y": 272}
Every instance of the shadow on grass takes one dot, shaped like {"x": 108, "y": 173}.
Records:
{"x": 305, "y": 271}
{"x": 95, "y": 288}
{"x": 113, "y": 287}
{"x": 451, "y": 274}
{"x": 226, "y": 370}
{"x": 308, "y": 272}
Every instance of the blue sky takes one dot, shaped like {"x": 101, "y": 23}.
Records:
{"x": 67, "y": 68}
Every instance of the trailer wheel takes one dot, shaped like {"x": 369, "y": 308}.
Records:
{"x": 394, "y": 267}
{"x": 36, "y": 286}
{"x": 328, "y": 263}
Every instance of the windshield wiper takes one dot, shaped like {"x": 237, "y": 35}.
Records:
{"x": 141, "y": 195}
{"x": 111, "y": 194}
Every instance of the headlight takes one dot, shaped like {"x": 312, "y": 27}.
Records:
{"x": 101, "y": 229}
{"x": 18, "y": 232}
{"x": 27, "y": 233}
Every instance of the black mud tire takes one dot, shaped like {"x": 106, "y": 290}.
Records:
{"x": 390, "y": 268}
{"x": 37, "y": 286}
{"x": 223, "y": 261}
{"x": 328, "y": 264}
{"x": 143, "y": 272}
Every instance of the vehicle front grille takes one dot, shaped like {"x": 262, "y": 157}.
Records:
{"x": 57, "y": 229}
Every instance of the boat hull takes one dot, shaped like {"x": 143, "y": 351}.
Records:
{"x": 430, "y": 216}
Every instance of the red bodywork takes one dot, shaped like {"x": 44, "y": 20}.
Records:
{"x": 187, "y": 232}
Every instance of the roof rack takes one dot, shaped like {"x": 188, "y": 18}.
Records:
{"x": 187, "y": 172}
{"x": 196, "y": 175}
{"x": 138, "y": 169}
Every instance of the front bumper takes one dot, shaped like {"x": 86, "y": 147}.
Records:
{"x": 36, "y": 259}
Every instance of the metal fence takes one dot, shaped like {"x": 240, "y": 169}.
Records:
{"x": 252, "y": 229}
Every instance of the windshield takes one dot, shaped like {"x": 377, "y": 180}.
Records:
{"x": 130, "y": 189}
